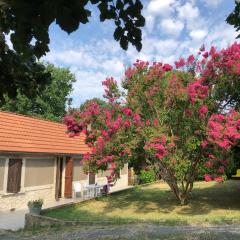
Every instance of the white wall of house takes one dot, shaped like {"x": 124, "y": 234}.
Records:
{"x": 38, "y": 180}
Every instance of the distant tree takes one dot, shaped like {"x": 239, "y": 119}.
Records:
{"x": 20, "y": 74}
{"x": 88, "y": 102}
{"x": 51, "y": 103}
{"x": 234, "y": 17}
{"x": 99, "y": 101}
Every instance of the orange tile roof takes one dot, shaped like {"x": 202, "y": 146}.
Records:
{"x": 20, "y": 133}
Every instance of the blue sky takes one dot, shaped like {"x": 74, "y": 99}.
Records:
{"x": 174, "y": 28}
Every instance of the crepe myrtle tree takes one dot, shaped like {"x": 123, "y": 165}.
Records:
{"x": 171, "y": 116}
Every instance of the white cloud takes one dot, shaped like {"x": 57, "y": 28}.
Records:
{"x": 160, "y": 7}
{"x": 154, "y": 49}
{"x": 88, "y": 85}
{"x": 171, "y": 27}
{"x": 221, "y": 35}
{"x": 198, "y": 35}
{"x": 91, "y": 63}
{"x": 188, "y": 11}
{"x": 95, "y": 56}
{"x": 150, "y": 21}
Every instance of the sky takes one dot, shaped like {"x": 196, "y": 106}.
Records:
{"x": 174, "y": 29}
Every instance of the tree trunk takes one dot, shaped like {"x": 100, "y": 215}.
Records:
{"x": 183, "y": 199}
{"x": 191, "y": 187}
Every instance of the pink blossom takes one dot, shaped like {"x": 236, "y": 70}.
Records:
{"x": 204, "y": 144}
{"x": 205, "y": 55}
{"x": 127, "y": 111}
{"x": 167, "y": 67}
{"x": 180, "y": 63}
{"x": 155, "y": 122}
{"x": 219, "y": 179}
{"x": 100, "y": 143}
{"x": 221, "y": 169}
{"x": 104, "y": 133}
{"x": 196, "y": 90}
{"x": 127, "y": 124}
{"x": 203, "y": 110}
{"x": 136, "y": 118}
{"x": 208, "y": 164}
{"x": 148, "y": 123}
{"x": 207, "y": 178}
{"x": 190, "y": 59}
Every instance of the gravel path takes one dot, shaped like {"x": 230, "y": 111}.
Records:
{"x": 130, "y": 231}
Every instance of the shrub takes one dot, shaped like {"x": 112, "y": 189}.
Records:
{"x": 35, "y": 203}
{"x": 147, "y": 176}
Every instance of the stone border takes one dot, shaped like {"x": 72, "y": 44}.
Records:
{"x": 32, "y": 221}
{"x": 35, "y": 221}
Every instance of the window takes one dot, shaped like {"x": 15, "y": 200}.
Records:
{"x": 14, "y": 175}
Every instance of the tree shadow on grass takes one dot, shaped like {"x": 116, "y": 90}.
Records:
{"x": 161, "y": 203}
{"x": 201, "y": 200}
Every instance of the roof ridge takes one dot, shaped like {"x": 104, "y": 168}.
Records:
{"x": 31, "y": 117}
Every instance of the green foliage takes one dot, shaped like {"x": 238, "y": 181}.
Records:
{"x": 35, "y": 203}
{"x": 27, "y": 23}
{"x": 51, "y": 102}
{"x": 20, "y": 74}
{"x": 100, "y": 102}
{"x": 147, "y": 176}
{"x": 234, "y": 17}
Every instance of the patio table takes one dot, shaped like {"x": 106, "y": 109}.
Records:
{"x": 95, "y": 188}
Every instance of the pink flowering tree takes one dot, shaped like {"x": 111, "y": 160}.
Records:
{"x": 172, "y": 119}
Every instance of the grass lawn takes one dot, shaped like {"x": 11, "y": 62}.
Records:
{"x": 209, "y": 202}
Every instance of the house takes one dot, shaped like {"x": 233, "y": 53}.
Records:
{"x": 39, "y": 160}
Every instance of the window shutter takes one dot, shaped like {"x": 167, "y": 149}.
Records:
{"x": 14, "y": 175}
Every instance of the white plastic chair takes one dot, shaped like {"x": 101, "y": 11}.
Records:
{"x": 87, "y": 190}
{"x": 77, "y": 188}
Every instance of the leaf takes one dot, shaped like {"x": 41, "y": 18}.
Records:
{"x": 119, "y": 4}
{"x": 124, "y": 42}
{"x": 140, "y": 22}
{"x": 118, "y": 33}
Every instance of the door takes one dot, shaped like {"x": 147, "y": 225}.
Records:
{"x": 14, "y": 175}
{"x": 58, "y": 190}
{"x": 68, "y": 177}
{"x": 91, "y": 178}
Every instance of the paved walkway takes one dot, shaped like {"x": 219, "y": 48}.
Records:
{"x": 12, "y": 220}
{"x": 130, "y": 231}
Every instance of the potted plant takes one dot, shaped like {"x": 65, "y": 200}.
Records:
{"x": 35, "y": 206}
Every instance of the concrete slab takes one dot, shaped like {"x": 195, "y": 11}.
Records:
{"x": 12, "y": 220}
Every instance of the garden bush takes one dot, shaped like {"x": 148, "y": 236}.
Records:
{"x": 147, "y": 176}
